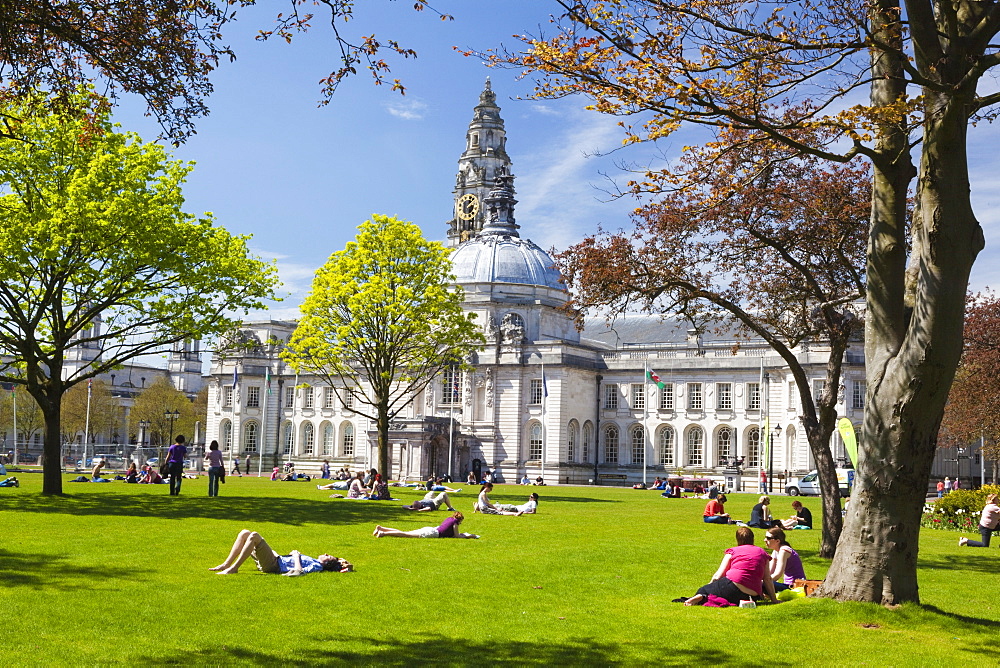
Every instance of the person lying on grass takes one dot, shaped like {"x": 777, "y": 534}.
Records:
{"x": 510, "y": 509}
{"x": 252, "y": 544}
{"x": 431, "y": 502}
{"x": 745, "y": 570}
{"x": 448, "y": 529}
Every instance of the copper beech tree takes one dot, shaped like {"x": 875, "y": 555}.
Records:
{"x": 973, "y": 409}
{"x": 163, "y": 50}
{"x": 880, "y": 79}
{"x": 777, "y": 255}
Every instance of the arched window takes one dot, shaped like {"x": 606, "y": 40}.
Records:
{"x": 724, "y": 441}
{"x": 226, "y": 435}
{"x": 667, "y": 446}
{"x": 753, "y": 449}
{"x": 250, "y": 435}
{"x": 308, "y": 439}
{"x": 638, "y": 444}
{"x": 347, "y": 440}
{"x": 289, "y": 439}
{"x": 535, "y": 441}
{"x": 328, "y": 439}
{"x": 571, "y": 435}
{"x": 611, "y": 445}
{"x": 695, "y": 446}
{"x": 588, "y": 438}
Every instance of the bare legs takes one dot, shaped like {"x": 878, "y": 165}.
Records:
{"x": 442, "y": 498}
{"x": 381, "y": 531}
{"x": 697, "y": 599}
{"x": 246, "y": 543}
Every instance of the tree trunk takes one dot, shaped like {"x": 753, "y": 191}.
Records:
{"x": 833, "y": 521}
{"x": 382, "y": 424}
{"x": 911, "y": 363}
{"x": 52, "y": 482}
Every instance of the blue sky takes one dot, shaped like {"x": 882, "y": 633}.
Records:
{"x": 300, "y": 178}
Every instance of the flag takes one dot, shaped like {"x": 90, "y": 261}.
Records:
{"x": 656, "y": 379}
{"x": 846, "y": 429}
{"x": 545, "y": 384}
{"x": 90, "y": 383}
{"x": 267, "y": 380}
{"x": 236, "y": 378}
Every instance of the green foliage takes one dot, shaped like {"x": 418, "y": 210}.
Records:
{"x": 382, "y": 320}
{"x": 572, "y": 585}
{"x": 969, "y": 501}
{"x": 91, "y": 228}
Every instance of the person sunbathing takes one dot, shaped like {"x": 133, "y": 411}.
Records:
{"x": 252, "y": 544}
{"x": 447, "y": 529}
{"x": 510, "y": 509}
{"x": 431, "y": 502}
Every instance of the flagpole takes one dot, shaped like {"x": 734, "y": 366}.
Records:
{"x": 645, "y": 419}
{"x": 14, "y": 397}
{"x": 86, "y": 428}
{"x": 545, "y": 429}
{"x": 451, "y": 426}
{"x": 263, "y": 421}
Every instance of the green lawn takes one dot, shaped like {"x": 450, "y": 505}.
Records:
{"x": 118, "y": 573}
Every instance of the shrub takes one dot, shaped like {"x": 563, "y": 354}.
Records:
{"x": 959, "y": 510}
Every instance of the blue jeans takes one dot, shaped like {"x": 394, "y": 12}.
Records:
{"x": 985, "y": 534}
{"x": 214, "y": 473}
{"x": 176, "y": 475}
{"x": 716, "y": 519}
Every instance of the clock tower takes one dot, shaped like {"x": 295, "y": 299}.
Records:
{"x": 485, "y": 157}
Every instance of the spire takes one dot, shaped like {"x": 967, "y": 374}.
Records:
{"x": 500, "y": 206}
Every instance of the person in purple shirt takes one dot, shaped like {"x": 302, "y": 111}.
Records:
{"x": 252, "y": 544}
{"x": 175, "y": 464}
{"x": 447, "y": 529}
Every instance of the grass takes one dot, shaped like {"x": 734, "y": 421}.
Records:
{"x": 118, "y": 573}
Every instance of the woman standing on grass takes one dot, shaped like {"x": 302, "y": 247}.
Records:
{"x": 744, "y": 574}
{"x": 786, "y": 565}
{"x": 483, "y": 504}
{"x": 216, "y": 468}
{"x": 988, "y": 523}
{"x": 447, "y": 529}
{"x": 175, "y": 463}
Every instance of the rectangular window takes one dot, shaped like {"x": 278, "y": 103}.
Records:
{"x": 791, "y": 394}
{"x": 753, "y": 396}
{"x": 638, "y": 396}
{"x": 328, "y": 396}
{"x": 289, "y": 397}
{"x": 724, "y": 396}
{"x": 818, "y": 386}
{"x": 858, "y": 394}
{"x": 348, "y": 400}
{"x": 611, "y": 396}
{"x": 450, "y": 386}
{"x": 535, "y": 392}
{"x": 227, "y": 397}
{"x": 694, "y": 396}
{"x": 307, "y": 397}
{"x": 667, "y": 397}
{"x": 253, "y": 396}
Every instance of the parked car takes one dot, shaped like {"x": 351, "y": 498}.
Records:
{"x": 808, "y": 485}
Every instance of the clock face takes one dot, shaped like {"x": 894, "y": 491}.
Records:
{"x": 468, "y": 206}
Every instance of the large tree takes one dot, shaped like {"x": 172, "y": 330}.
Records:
{"x": 869, "y": 73}
{"x": 155, "y": 402}
{"x": 973, "y": 409}
{"x": 776, "y": 253}
{"x": 382, "y": 321}
{"x": 161, "y": 50}
{"x": 98, "y": 254}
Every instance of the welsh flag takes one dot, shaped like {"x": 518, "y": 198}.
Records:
{"x": 656, "y": 379}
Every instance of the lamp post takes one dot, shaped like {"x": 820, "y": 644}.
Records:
{"x": 171, "y": 415}
{"x": 775, "y": 433}
{"x": 143, "y": 430}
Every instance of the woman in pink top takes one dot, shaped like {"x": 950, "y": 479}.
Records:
{"x": 988, "y": 523}
{"x": 744, "y": 574}
{"x": 447, "y": 529}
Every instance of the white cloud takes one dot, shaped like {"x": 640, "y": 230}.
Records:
{"x": 410, "y": 109}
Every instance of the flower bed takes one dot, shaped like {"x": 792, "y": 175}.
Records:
{"x": 957, "y": 511}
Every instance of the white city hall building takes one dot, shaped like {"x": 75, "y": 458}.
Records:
{"x": 543, "y": 398}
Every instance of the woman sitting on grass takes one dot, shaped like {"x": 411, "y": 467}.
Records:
{"x": 786, "y": 565}
{"x": 357, "y": 488}
{"x": 483, "y": 503}
{"x": 760, "y": 516}
{"x": 715, "y": 511}
{"x": 448, "y": 529}
{"x": 988, "y": 523}
{"x": 510, "y": 509}
{"x": 252, "y": 544}
{"x": 744, "y": 574}
{"x": 379, "y": 490}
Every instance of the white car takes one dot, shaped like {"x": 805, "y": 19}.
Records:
{"x": 808, "y": 485}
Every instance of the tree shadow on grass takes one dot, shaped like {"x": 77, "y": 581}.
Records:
{"x": 249, "y": 509}
{"x": 54, "y": 572}
{"x": 440, "y": 650}
{"x": 506, "y": 494}
{"x": 964, "y": 619}
{"x": 973, "y": 560}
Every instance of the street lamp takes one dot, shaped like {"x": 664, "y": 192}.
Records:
{"x": 143, "y": 430}
{"x": 171, "y": 415}
{"x": 775, "y": 433}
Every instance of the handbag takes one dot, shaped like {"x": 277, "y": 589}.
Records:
{"x": 165, "y": 469}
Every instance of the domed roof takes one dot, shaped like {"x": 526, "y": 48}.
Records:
{"x": 504, "y": 258}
